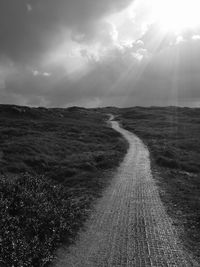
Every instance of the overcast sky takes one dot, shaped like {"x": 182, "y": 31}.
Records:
{"x": 59, "y": 53}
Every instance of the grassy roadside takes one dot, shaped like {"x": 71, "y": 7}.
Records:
{"x": 54, "y": 163}
{"x": 172, "y": 135}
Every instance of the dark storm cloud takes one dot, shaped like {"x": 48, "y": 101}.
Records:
{"x": 28, "y": 28}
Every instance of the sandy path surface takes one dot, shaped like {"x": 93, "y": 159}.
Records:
{"x": 129, "y": 226}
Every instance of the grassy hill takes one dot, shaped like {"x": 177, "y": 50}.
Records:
{"x": 172, "y": 136}
{"x": 52, "y": 165}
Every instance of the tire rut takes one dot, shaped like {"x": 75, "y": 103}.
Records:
{"x": 129, "y": 226}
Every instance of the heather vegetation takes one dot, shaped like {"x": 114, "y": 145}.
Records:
{"x": 54, "y": 163}
{"x": 172, "y": 136}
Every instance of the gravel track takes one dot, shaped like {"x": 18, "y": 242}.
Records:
{"x": 129, "y": 226}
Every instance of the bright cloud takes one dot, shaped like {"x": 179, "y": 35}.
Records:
{"x": 196, "y": 37}
{"x": 176, "y": 15}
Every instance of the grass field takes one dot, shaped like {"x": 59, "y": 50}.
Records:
{"x": 54, "y": 163}
{"x": 172, "y": 136}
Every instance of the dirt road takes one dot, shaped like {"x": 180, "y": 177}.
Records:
{"x": 129, "y": 226}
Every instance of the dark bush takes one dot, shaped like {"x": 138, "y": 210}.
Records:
{"x": 35, "y": 215}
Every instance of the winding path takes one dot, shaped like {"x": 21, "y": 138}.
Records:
{"x": 129, "y": 226}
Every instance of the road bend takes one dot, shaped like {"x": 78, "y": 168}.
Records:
{"x": 129, "y": 226}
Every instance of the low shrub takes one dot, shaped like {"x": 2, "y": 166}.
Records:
{"x": 35, "y": 214}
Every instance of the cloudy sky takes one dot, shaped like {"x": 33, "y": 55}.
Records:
{"x": 99, "y": 53}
